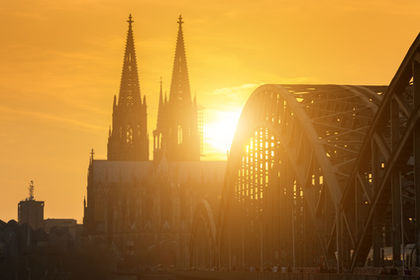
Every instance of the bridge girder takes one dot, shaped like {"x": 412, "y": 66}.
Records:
{"x": 324, "y": 174}
{"x": 390, "y": 157}
{"x": 312, "y": 132}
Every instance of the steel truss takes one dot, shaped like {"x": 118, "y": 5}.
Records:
{"x": 290, "y": 159}
{"x": 318, "y": 175}
{"x": 378, "y": 209}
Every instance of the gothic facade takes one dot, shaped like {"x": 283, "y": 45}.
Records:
{"x": 143, "y": 208}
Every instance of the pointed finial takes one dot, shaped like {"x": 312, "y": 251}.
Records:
{"x": 180, "y": 22}
{"x": 160, "y": 92}
{"x": 144, "y": 99}
{"x": 130, "y": 20}
{"x": 92, "y": 153}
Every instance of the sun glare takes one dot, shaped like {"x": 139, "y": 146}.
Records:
{"x": 218, "y": 133}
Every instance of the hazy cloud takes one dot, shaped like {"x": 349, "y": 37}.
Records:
{"x": 13, "y": 113}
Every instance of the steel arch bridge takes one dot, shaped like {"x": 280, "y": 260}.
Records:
{"x": 320, "y": 175}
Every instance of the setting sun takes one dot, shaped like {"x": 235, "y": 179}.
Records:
{"x": 219, "y": 131}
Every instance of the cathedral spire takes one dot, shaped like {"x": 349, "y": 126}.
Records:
{"x": 130, "y": 21}
{"x": 129, "y": 88}
{"x": 161, "y": 101}
{"x": 128, "y": 139}
{"x": 160, "y": 92}
{"x": 180, "y": 86}
{"x": 176, "y": 136}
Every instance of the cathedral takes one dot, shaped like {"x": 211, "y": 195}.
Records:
{"x": 143, "y": 209}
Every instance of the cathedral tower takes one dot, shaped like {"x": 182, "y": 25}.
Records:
{"x": 128, "y": 139}
{"x": 176, "y": 136}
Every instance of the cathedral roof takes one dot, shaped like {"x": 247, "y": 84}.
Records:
{"x": 106, "y": 171}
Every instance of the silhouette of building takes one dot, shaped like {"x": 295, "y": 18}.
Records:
{"x": 144, "y": 209}
{"x": 30, "y": 211}
{"x": 69, "y": 224}
{"x": 26, "y": 253}
{"x": 128, "y": 139}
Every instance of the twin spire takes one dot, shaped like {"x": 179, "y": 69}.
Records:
{"x": 176, "y": 136}
{"x": 128, "y": 138}
{"x": 176, "y": 130}
{"x": 180, "y": 85}
{"x": 129, "y": 88}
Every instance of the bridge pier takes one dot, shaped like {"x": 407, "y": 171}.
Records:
{"x": 416, "y": 152}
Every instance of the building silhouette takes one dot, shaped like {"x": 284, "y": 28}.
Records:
{"x": 69, "y": 225}
{"x": 143, "y": 209}
{"x": 30, "y": 211}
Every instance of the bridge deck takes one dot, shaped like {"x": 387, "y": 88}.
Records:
{"x": 196, "y": 275}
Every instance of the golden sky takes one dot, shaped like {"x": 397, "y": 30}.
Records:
{"x": 60, "y": 65}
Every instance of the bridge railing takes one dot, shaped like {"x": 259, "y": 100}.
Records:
{"x": 242, "y": 275}
{"x": 327, "y": 276}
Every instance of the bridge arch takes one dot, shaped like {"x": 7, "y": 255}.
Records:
{"x": 291, "y": 154}
{"x": 324, "y": 175}
{"x": 203, "y": 238}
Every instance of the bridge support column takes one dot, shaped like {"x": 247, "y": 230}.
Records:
{"x": 377, "y": 231}
{"x": 396, "y": 190}
{"x": 416, "y": 153}
{"x": 396, "y": 218}
{"x": 338, "y": 239}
